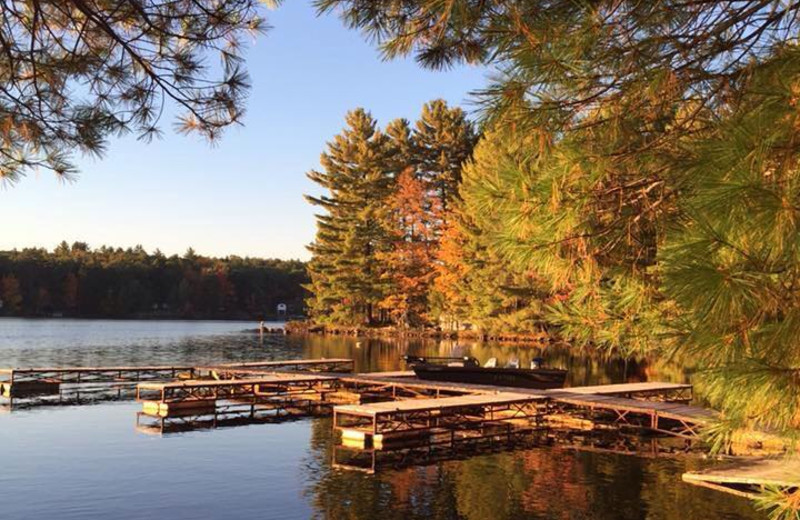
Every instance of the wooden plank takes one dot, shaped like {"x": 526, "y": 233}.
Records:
{"x": 62, "y": 370}
{"x": 165, "y": 368}
{"x": 414, "y": 383}
{"x": 305, "y": 362}
{"x": 272, "y": 378}
{"x": 419, "y": 405}
{"x": 628, "y": 388}
{"x": 675, "y": 411}
{"x": 780, "y": 472}
{"x": 398, "y": 373}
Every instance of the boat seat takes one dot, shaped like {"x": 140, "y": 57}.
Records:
{"x": 491, "y": 363}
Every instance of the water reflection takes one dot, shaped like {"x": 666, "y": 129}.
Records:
{"x": 539, "y": 483}
{"x": 94, "y": 465}
{"x": 584, "y": 368}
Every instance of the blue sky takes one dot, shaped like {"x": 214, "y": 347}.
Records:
{"x": 243, "y": 196}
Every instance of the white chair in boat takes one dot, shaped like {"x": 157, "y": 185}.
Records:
{"x": 513, "y": 363}
{"x": 491, "y": 363}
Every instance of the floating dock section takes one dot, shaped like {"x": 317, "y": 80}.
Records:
{"x": 210, "y": 403}
{"x": 382, "y": 424}
{"x": 334, "y": 365}
{"x": 19, "y": 382}
{"x": 665, "y": 417}
{"x": 747, "y": 478}
{"x": 25, "y": 387}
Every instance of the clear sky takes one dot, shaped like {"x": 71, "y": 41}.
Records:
{"x": 243, "y": 196}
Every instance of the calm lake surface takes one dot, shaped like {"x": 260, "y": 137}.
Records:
{"x": 88, "y": 462}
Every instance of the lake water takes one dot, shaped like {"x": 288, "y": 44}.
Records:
{"x": 89, "y": 462}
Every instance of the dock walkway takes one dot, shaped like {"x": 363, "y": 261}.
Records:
{"x": 210, "y": 403}
{"x": 747, "y": 478}
{"x": 38, "y": 381}
{"x": 435, "y": 421}
{"x": 649, "y": 390}
{"x": 655, "y": 406}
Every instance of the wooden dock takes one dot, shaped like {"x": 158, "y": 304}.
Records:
{"x": 655, "y": 407}
{"x": 334, "y": 365}
{"x": 659, "y": 407}
{"x": 32, "y": 386}
{"x": 747, "y": 478}
{"x": 210, "y": 403}
{"x": 396, "y": 417}
{"x": 676, "y": 419}
{"x": 646, "y": 391}
{"x": 22, "y": 382}
{"x": 437, "y": 420}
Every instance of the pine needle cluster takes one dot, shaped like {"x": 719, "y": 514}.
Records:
{"x": 75, "y": 72}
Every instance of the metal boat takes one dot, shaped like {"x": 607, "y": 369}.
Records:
{"x": 469, "y": 370}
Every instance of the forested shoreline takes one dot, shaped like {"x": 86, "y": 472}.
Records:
{"x": 81, "y": 282}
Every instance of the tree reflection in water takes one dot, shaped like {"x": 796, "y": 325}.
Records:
{"x": 540, "y": 483}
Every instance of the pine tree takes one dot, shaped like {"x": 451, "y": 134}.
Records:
{"x": 408, "y": 267}
{"x": 477, "y": 283}
{"x": 443, "y": 139}
{"x": 733, "y": 265}
{"x": 345, "y": 270}
{"x": 76, "y": 72}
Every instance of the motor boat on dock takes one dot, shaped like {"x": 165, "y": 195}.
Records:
{"x": 468, "y": 370}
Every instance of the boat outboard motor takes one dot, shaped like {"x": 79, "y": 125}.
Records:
{"x": 536, "y": 363}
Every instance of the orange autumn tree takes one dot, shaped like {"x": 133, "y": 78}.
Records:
{"x": 409, "y": 263}
{"x": 449, "y": 297}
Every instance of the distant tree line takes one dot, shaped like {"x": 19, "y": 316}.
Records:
{"x": 74, "y": 280}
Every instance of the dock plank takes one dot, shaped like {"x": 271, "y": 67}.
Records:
{"x": 420, "y": 405}
{"x": 628, "y": 388}
{"x": 781, "y": 472}
{"x": 267, "y": 379}
{"x": 273, "y": 363}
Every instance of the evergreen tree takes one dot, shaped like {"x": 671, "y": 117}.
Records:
{"x": 734, "y": 263}
{"x": 407, "y": 260}
{"x": 377, "y": 241}
{"x": 443, "y": 139}
{"x": 345, "y": 270}
{"x": 478, "y": 283}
